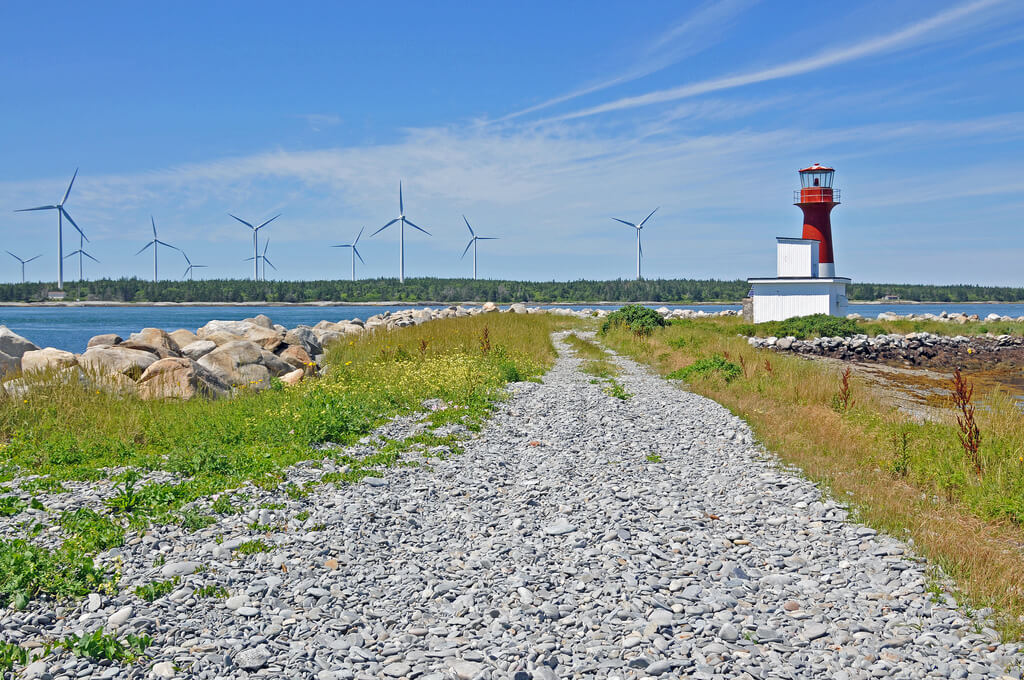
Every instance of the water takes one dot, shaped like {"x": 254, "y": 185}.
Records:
{"x": 70, "y": 328}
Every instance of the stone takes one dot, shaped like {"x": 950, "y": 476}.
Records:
{"x": 261, "y": 320}
{"x": 172, "y": 569}
{"x": 488, "y": 307}
{"x": 244, "y": 364}
{"x": 559, "y": 528}
{"x": 36, "y": 669}
{"x": 104, "y": 340}
{"x": 518, "y": 308}
{"x": 466, "y": 670}
{"x": 100, "y": 361}
{"x": 157, "y": 339}
{"x": 47, "y": 360}
{"x": 9, "y": 364}
{"x": 118, "y": 618}
{"x": 198, "y": 349}
{"x": 163, "y": 669}
{"x": 397, "y": 670}
{"x": 296, "y": 357}
{"x": 252, "y": 659}
{"x": 180, "y": 378}
{"x": 13, "y": 345}
{"x": 293, "y": 378}
{"x": 183, "y": 336}
{"x": 303, "y": 337}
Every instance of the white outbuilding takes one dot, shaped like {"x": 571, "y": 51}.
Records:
{"x": 797, "y": 290}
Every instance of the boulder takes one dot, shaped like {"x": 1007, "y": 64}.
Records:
{"x": 293, "y": 378}
{"x": 159, "y": 352}
{"x": 48, "y": 359}
{"x": 9, "y": 364}
{"x": 115, "y": 383}
{"x": 198, "y": 349}
{"x": 183, "y": 337}
{"x": 327, "y": 337}
{"x": 295, "y": 356}
{"x": 489, "y": 307}
{"x": 154, "y": 337}
{"x": 107, "y": 360}
{"x": 222, "y": 337}
{"x": 104, "y": 340}
{"x": 261, "y": 320}
{"x": 266, "y": 338}
{"x": 244, "y": 363}
{"x": 180, "y": 378}
{"x": 304, "y": 337}
{"x": 13, "y": 344}
{"x": 518, "y": 308}
{"x": 233, "y": 327}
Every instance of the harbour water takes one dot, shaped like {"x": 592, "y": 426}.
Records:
{"x": 70, "y": 328}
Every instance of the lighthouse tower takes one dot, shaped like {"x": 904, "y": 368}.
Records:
{"x": 816, "y": 198}
{"x": 805, "y": 281}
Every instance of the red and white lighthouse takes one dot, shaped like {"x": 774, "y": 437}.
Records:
{"x": 816, "y": 198}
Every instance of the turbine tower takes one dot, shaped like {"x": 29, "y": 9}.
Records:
{"x": 23, "y": 263}
{"x": 472, "y": 242}
{"x": 263, "y": 257}
{"x": 402, "y": 221}
{"x": 188, "y": 270}
{"x": 255, "y": 244}
{"x": 81, "y": 252}
{"x": 639, "y": 248}
{"x": 61, "y": 214}
{"x": 355, "y": 252}
{"x": 156, "y": 243}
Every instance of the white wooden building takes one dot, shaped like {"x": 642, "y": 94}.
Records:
{"x": 797, "y": 290}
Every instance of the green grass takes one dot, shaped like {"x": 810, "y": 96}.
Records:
{"x": 822, "y": 325}
{"x": 253, "y": 547}
{"x": 595, "y": 358}
{"x": 156, "y": 589}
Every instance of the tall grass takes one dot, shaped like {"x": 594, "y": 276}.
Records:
{"x": 910, "y": 479}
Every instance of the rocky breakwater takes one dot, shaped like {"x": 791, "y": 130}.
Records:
{"x": 956, "y": 317}
{"x": 912, "y": 348}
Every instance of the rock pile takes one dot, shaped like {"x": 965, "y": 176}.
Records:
{"x": 914, "y": 348}
{"x": 956, "y": 317}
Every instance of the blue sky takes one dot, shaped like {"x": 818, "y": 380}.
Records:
{"x": 538, "y": 121}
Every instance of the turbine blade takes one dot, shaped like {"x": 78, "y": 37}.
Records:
{"x": 153, "y": 222}
{"x": 488, "y": 238}
{"x": 473, "y": 233}
{"x": 268, "y": 221}
{"x": 69, "y": 187}
{"x": 249, "y": 259}
{"x": 647, "y": 218}
{"x": 187, "y": 270}
{"x": 200, "y": 265}
{"x": 265, "y": 246}
{"x": 401, "y": 205}
{"x": 145, "y": 246}
{"x": 186, "y": 257}
{"x": 73, "y": 223}
{"x": 166, "y": 244}
{"x": 243, "y": 221}
{"x": 420, "y": 228}
{"x": 71, "y": 254}
{"x": 358, "y": 255}
{"x": 266, "y": 262}
{"x": 15, "y": 256}
{"x": 384, "y": 227}
{"x": 347, "y": 245}
{"x": 467, "y": 248}
{"x": 358, "y": 236}
{"x": 32, "y": 258}
{"x": 90, "y": 257}
{"x": 628, "y": 224}
{"x": 42, "y": 207}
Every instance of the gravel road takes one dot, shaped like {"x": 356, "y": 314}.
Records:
{"x": 579, "y": 535}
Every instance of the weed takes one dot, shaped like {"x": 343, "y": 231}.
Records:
{"x": 901, "y": 452}
{"x": 970, "y": 435}
{"x": 485, "y": 340}
{"x": 640, "y": 320}
{"x": 803, "y": 327}
{"x": 193, "y": 520}
{"x": 11, "y": 654}
{"x": 91, "y": 532}
{"x": 295, "y": 491}
{"x": 424, "y": 344}
{"x": 43, "y": 484}
{"x": 126, "y": 498}
{"x": 616, "y": 390}
{"x": 101, "y": 645}
{"x": 11, "y": 505}
{"x": 677, "y": 343}
{"x": 156, "y": 589}
{"x": 219, "y": 592}
{"x": 252, "y": 547}
{"x": 767, "y": 366}
{"x": 841, "y": 401}
{"x": 654, "y": 458}
{"x": 707, "y": 367}
{"x": 302, "y": 516}
{"x": 275, "y": 506}
{"x": 224, "y": 506}
{"x": 27, "y": 571}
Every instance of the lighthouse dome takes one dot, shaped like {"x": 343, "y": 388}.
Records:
{"x": 816, "y": 176}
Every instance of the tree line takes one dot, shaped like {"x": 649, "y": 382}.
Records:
{"x": 459, "y": 290}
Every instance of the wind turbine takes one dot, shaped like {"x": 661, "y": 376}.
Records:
{"x": 156, "y": 243}
{"x": 255, "y": 244}
{"x": 401, "y": 219}
{"x": 265, "y": 260}
{"x": 638, "y": 227}
{"x": 61, "y": 214}
{"x": 472, "y": 242}
{"x": 355, "y": 253}
{"x": 81, "y": 252}
{"x": 188, "y": 270}
{"x": 23, "y": 263}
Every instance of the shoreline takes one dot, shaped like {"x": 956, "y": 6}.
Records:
{"x": 435, "y": 303}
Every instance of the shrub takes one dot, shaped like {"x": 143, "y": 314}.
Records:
{"x": 707, "y": 367}
{"x": 639, "y": 319}
{"x": 803, "y": 327}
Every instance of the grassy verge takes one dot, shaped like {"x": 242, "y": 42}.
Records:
{"x": 912, "y": 480}
{"x": 822, "y": 325}
{"x": 69, "y": 432}
{"x": 596, "y": 363}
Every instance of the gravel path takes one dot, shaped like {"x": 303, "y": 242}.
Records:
{"x": 554, "y": 547}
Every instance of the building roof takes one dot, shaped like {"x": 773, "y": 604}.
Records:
{"x": 817, "y": 168}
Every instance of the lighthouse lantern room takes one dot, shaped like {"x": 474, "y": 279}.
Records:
{"x": 805, "y": 281}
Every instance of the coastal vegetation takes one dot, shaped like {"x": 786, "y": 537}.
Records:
{"x": 64, "y": 432}
{"x": 954, "y": 488}
{"x": 464, "y": 290}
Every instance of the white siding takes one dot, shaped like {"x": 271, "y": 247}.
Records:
{"x": 797, "y": 258}
{"x": 781, "y": 300}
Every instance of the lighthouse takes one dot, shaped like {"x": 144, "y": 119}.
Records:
{"x": 816, "y": 198}
{"x": 805, "y": 282}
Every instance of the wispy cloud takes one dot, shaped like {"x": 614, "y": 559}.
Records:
{"x": 902, "y": 39}
{"x": 318, "y": 121}
{"x": 693, "y": 34}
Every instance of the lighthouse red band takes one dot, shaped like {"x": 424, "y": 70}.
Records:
{"x": 816, "y": 198}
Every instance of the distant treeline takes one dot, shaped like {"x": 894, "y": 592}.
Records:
{"x": 458, "y": 290}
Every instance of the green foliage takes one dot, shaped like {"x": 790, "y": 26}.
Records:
{"x": 11, "y": 654}
{"x": 653, "y": 458}
{"x": 224, "y": 505}
{"x": 677, "y": 343}
{"x": 44, "y": 484}
{"x": 101, "y": 645}
{"x": 639, "y": 319}
{"x": 803, "y": 327}
{"x": 716, "y": 365}
{"x": 212, "y": 591}
{"x": 126, "y": 499}
{"x": 91, "y": 531}
{"x": 252, "y": 547}
{"x": 11, "y": 505}
{"x": 616, "y": 390}
{"x": 192, "y": 520}
{"x": 27, "y": 571}
{"x": 156, "y": 589}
